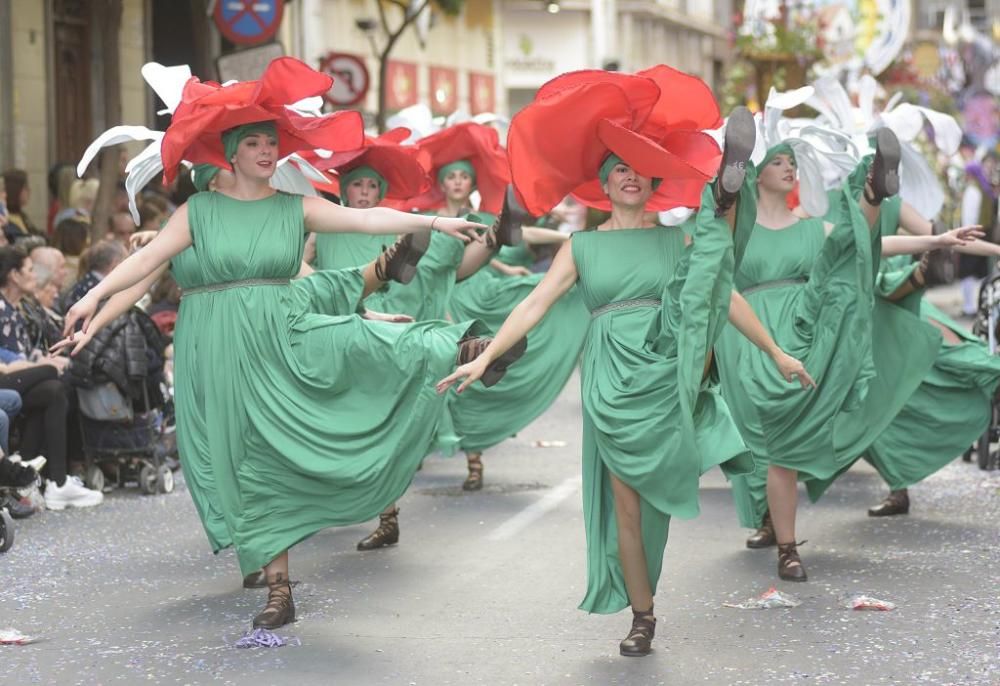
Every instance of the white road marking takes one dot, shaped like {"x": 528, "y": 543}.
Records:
{"x": 536, "y": 510}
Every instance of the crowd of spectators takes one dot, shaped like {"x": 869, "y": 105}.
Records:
{"x": 46, "y": 265}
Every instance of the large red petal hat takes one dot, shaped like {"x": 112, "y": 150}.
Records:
{"x": 480, "y": 146}
{"x": 400, "y": 165}
{"x": 559, "y": 141}
{"x": 207, "y": 110}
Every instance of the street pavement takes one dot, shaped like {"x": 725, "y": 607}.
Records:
{"x": 483, "y": 589}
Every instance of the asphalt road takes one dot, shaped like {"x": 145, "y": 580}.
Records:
{"x": 483, "y": 589}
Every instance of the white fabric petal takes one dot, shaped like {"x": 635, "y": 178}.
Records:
{"x": 114, "y": 136}
{"x": 142, "y": 169}
{"x": 918, "y": 184}
{"x": 167, "y": 82}
{"x": 288, "y": 178}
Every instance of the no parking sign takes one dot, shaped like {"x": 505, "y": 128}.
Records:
{"x": 248, "y": 22}
{"x": 350, "y": 78}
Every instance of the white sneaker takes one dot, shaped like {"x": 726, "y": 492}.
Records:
{"x": 72, "y": 494}
{"x": 34, "y": 496}
{"x": 36, "y": 464}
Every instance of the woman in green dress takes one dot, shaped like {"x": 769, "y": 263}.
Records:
{"x": 652, "y": 422}
{"x": 310, "y": 420}
{"x": 810, "y": 282}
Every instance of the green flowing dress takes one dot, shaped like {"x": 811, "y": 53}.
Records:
{"x": 649, "y": 416}
{"x": 424, "y": 298}
{"x": 813, "y": 293}
{"x": 484, "y": 417}
{"x": 934, "y": 384}
{"x": 297, "y": 420}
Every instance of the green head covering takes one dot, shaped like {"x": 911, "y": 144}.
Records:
{"x": 779, "y": 149}
{"x": 458, "y": 165}
{"x": 609, "y": 163}
{"x": 362, "y": 172}
{"x": 202, "y": 175}
{"x": 231, "y": 138}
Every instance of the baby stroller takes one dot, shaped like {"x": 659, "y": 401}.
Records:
{"x": 6, "y": 526}
{"x": 120, "y": 391}
{"x": 987, "y": 327}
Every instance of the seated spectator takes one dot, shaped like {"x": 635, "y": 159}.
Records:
{"x": 19, "y": 225}
{"x": 82, "y": 197}
{"x": 120, "y": 228}
{"x": 99, "y": 260}
{"x": 72, "y": 238}
{"x": 43, "y": 322}
{"x": 61, "y": 178}
{"x": 165, "y": 299}
{"x": 34, "y": 374}
{"x": 152, "y": 215}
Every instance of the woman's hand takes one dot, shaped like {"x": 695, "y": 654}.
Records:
{"x": 374, "y": 316}
{"x": 456, "y": 227}
{"x": 141, "y": 239}
{"x": 509, "y": 270}
{"x": 791, "y": 368}
{"x": 471, "y": 372}
{"x": 83, "y": 310}
{"x": 963, "y": 235}
{"x": 77, "y": 341}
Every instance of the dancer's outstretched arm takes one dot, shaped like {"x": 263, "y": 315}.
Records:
{"x": 909, "y": 245}
{"x": 171, "y": 240}
{"x": 559, "y": 279}
{"x": 324, "y": 216}
{"x": 914, "y": 224}
{"x": 742, "y": 316}
{"x": 537, "y": 235}
{"x": 120, "y": 303}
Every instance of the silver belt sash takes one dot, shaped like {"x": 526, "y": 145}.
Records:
{"x": 763, "y": 286}
{"x": 624, "y": 305}
{"x": 225, "y": 286}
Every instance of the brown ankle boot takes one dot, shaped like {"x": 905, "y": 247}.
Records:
{"x": 790, "y": 567}
{"x": 399, "y": 261}
{"x": 764, "y": 537}
{"x": 474, "y": 482}
{"x": 387, "y": 532}
{"x": 741, "y": 133}
{"x": 639, "y": 641}
{"x": 280, "y": 609}
{"x": 883, "y": 177}
{"x": 896, "y": 503}
{"x": 506, "y": 230}
{"x": 471, "y": 347}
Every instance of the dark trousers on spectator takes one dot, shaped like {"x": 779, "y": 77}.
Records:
{"x": 44, "y": 405}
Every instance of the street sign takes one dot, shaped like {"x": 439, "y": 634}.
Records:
{"x": 248, "y": 22}
{"x": 248, "y": 64}
{"x": 350, "y": 78}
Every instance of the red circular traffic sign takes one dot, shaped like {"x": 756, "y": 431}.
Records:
{"x": 248, "y": 22}
{"x": 350, "y": 78}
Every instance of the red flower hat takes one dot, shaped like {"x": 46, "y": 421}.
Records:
{"x": 652, "y": 120}
{"x": 400, "y": 165}
{"x": 207, "y": 110}
{"x": 480, "y": 146}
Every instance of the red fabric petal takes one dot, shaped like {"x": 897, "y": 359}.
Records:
{"x": 400, "y": 165}
{"x": 686, "y": 102}
{"x": 650, "y": 120}
{"x": 207, "y": 110}
{"x": 478, "y": 144}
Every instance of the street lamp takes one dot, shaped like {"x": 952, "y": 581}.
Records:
{"x": 552, "y": 6}
{"x": 367, "y": 26}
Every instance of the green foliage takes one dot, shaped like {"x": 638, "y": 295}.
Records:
{"x": 449, "y": 7}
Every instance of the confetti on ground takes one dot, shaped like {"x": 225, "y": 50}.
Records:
{"x": 261, "y": 638}
{"x": 864, "y": 601}
{"x": 13, "y": 637}
{"x": 769, "y": 600}
{"x": 550, "y": 444}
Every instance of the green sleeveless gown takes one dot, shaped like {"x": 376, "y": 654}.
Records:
{"x": 298, "y": 420}
{"x": 933, "y": 383}
{"x": 813, "y": 293}
{"x": 484, "y": 417}
{"x": 649, "y": 417}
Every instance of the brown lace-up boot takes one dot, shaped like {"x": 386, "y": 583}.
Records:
{"x": 471, "y": 347}
{"x": 765, "y": 536}
{"x": 399, "y": 261}
{"x": 386, "y": 534}
{"x": 280, "y": 609}
{"x": 639, "y": 641}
